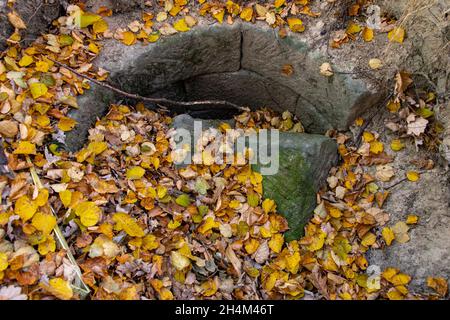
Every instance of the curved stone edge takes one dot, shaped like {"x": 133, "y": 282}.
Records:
{"x": 209, "y": 51}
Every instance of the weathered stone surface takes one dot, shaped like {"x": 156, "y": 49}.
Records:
{"x": 242, "y": 63}
{"x": 145, "y": 69}
{"x": 337, "y": 99}
{"x": 427, "y": 254}
{"x": 304, "y": 162}
{"x": 242, "y": 87}
{"x": 37, "y": 15}
{"x": 157, "y": 69}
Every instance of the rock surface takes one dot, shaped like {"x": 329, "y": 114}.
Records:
{"x": 427, "y": 253}
{"x": 242, "y": 63}
{"x": 36, "y": 14}
{"x": 304, "y": 162}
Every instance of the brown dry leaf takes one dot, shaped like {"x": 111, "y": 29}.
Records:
{"x": 400, "y": 230}
{"x": 440, "y": 285}
{"x": 16, "y": 20}
{"x": 231, "y": 256}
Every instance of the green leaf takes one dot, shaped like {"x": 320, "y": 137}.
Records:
{"x": 201, "y": 186}
{"x": 425, "y": 112}
{"x": 253, "y": 199}
{"x": 183, "y": 200}
{"x": 65, "y": 40}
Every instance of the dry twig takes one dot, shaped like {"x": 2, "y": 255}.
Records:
{"x": 162, "y": 102}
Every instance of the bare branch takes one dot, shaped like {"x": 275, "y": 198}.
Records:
{"x": 162, "y": 102}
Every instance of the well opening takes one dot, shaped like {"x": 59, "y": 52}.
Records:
{"x": 249, "y": 65}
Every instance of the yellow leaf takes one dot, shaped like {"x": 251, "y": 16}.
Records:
{"x": 251, "y": 245}
{"x": 393, "y": 106}
{"x": 165, "y": 294}
{"x": 66, "y": 197}
{"x": 376, "y": 147}
{"x": 128, "y": 38}
{"x": 93, "y": 48}
{"x": 279, "y": 3}
{"x": 359, "y": 121}
{"x": 389, "y": 273}
{"x": 353, "y": 28}
{"x": 412, "y": 176}
{"x": 173, "y": 224}
{"x": 269, "y": 205}
{"x": 38, "y": 89}
{"x": 161, "y": 191}
{"x": 25, "y": 208}
{"x": 318, "y": 241}
{"x": 88, "y": 212}
{"x": 42, "y": 197}
{"x": 438, "y": 284}
{"x": 367, "y": 34}
{"x": 394, "y": 294}
{"x": 128, "y": 224}
{"x": 66, "y": 124}
{"x": 3, "y": 261}
{"x": 368, "y": 239}
{"x": 396, "y": 35}
{"x": 345, "y": 296}
{"x": 295, "y": 24}
{"x": 179, "y": 261}
{"x": 293, "y": 262}
{"x": 368, "y": 136}
{"x": 252, "y": 199}
{"x": 97, "y": 147}
{"x": 209, "y": 287}
{"x": 397, "y": 145}
{"x": 26, "y": 61}
{"x": 149, "y": 242}
{"x": 44, "y": 222}
{"x": 276, "y": 243}
{"x": 247, "y": 14}
{"x": 388, "y": 235}
{"x": 400, "y": 279}
{"x": 265, "y": 233}
{"x": 207, "y": 158}
{"x": 153, "y": 37}
{"x": 25, "y": 147}
{"x": 412, "y": 219}
{"x": 42, "y": 66}
{"x": 181, "y": 25}
{"x": 135, "y": 173}
{"x": 208, "y": 225}
{"x": 60, "y": 288}
{"x": 100, "y": 26}
{"x": 335, "y": 212}
{"x": 234, "y": 204}
{"x": 85, "y": 19}
{"x": 218, "y": 15}
{"x": 49, "y": 245}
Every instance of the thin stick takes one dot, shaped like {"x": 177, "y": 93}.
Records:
{"x": 159, "y": 101}
{"x": 79, "y": 285}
